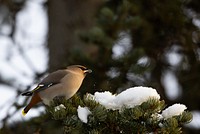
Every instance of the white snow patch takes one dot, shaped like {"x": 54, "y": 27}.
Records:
{"x": 129, "y": 98}
{"x": 83, "y": 113}
{"x": 173, "y": 110}
{"x": 106, "y": 99}
{"x": 136, "y": 96}
{"x": 61, "y": 106}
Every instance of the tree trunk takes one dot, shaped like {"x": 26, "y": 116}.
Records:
{"x": 65, "y": 18}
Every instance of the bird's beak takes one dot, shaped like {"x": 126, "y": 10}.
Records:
{"x": 88, "y": 71}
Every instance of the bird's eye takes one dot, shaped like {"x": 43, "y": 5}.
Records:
{"x": 82, "y": 68}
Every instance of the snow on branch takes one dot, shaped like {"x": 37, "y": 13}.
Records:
{"x": 173, "y": 110}
{"x": 135, "y": 110}
{"x": 83, "y": 113}
{"x": 128, "y": 98}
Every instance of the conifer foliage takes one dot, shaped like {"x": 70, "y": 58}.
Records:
{"x": 147, "y": 117}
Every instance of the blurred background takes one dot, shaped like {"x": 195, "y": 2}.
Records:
{"x": 125, "y": 42}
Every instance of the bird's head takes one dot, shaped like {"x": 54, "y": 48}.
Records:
{"x": 79, "y": 69}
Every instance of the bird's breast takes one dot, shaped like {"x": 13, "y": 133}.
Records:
{"x": 71, "y": 84}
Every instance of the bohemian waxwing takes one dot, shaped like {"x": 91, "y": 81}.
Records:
{"x": 64, "y": 83}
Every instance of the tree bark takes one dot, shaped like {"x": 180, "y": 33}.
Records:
{"x": 65, "y": 18}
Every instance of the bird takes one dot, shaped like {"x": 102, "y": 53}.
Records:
{"x": 61, "y": 83}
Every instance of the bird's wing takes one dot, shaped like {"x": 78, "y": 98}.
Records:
{"x": 38, "y": 88}
{"x": 52, "y": 79}
{"x": 43, "y": 86}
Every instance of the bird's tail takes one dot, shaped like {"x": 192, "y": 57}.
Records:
{"x": 26, "y": 109}
{"x": 34, "y": 100}
{"x": 29, "y": 93}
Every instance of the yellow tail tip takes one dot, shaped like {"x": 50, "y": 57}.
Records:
{"x": 23, "y": 113}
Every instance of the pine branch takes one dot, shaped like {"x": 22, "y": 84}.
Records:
{"x": 144, "y": 118}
